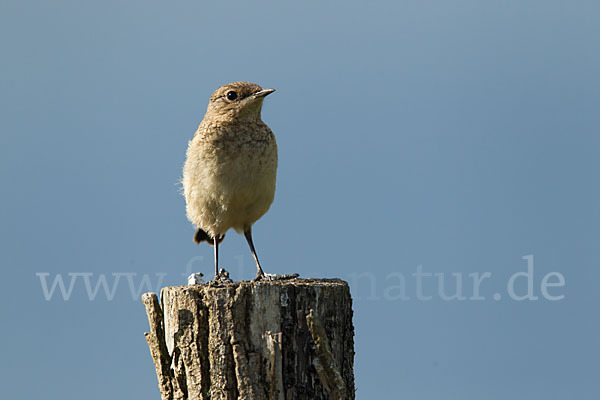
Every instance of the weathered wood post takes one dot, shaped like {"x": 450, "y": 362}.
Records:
{"x": 280, "y": 340}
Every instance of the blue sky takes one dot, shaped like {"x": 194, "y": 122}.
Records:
{"x": 453, "y": 138}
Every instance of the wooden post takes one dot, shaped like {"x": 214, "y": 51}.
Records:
{"x": 276, "y": 340}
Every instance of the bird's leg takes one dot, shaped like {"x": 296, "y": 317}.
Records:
{"x": 260, "y": 274}
{"x": 259, "y": 271}
{"x": 216, "y": 246}
{"x": 221, "y": 276}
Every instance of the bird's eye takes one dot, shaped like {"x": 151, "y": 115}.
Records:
{"x": 231, "y": 95}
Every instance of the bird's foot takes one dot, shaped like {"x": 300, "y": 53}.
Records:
{"x": 273, "y": 277}
{"x": 222, "y": 277}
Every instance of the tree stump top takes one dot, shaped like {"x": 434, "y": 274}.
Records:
{"x": 296, "y": 282}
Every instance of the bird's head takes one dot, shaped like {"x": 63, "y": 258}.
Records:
{"x": 236, "y": 101}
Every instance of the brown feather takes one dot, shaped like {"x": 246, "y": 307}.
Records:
{"x": 202, "y": 236}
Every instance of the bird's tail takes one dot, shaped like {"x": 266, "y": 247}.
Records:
{"x": 202, "y": 236}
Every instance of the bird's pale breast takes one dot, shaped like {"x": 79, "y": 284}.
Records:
{"x": 229, "y": 176}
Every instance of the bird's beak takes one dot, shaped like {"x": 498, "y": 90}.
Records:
{"x": 263, "y": 93}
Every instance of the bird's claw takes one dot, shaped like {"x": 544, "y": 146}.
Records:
{"x": 274, "y": 277}
{"x": 222, "y": 277}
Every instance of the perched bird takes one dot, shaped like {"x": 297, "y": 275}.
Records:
{"x": 231, "y": 166}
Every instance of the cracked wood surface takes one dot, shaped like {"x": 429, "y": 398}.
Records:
{"x": 279, "y": 340}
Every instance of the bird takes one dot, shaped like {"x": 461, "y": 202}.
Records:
{"x": 230, "y": 169}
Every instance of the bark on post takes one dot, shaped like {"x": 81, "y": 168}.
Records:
{"x": 279, "y": 340}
